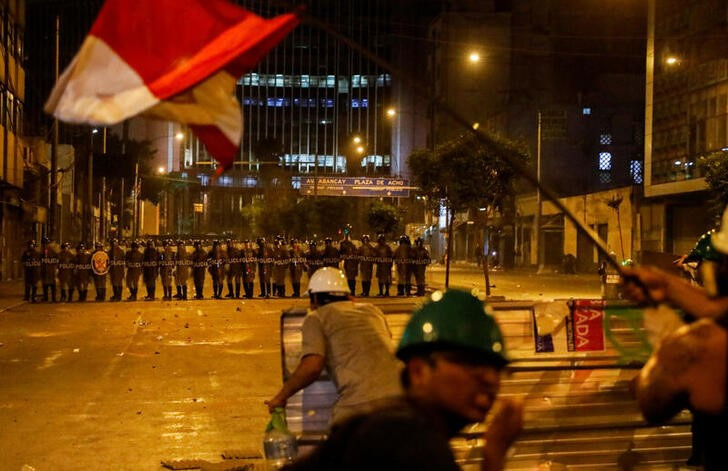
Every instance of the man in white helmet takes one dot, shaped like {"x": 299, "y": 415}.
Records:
{"x": 352, "y": 341}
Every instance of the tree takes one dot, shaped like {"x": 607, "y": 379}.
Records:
{"x": 468, "y": 173}
{"x": 715, "y": 168}
{"x": 382, "y": 218}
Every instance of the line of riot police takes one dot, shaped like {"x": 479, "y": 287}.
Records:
{"x": 232, "y": 263}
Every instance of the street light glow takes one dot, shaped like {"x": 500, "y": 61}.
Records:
{"x": 474, "y": 57}
{"x": 476, "y": 125}
{"x": 357, "y": 139}
{"x": 391, "y": 112}
{"x": 671, "y": 60}
{"x": 179, "y": 136}
{"x": 161, "y": 170}
{"x": 360, "y": 149}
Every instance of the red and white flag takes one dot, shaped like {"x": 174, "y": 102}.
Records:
{"x": 168, "y": 59}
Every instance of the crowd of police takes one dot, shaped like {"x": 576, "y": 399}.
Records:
{"x": 237, "y": 263}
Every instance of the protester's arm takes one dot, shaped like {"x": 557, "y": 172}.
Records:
{"x": 502, "y": 431}
{"x": 664, "y": 287}
{"x": 306, "y": 373}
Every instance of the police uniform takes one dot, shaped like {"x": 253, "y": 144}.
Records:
{"x": 117, "y": 262}
{"x": 296, "y": 266}
{"x": 384, "y": 266}
{"x": 314, "y": 259}
{"x": 420, "y": 258}
{"x": 235, "y": 269}
{"x": 249, "y": 266}
{"x": 66, "y": 267}
{"x": 330, "y": 254}
{"x": 265, "y": 268}
{"x": 83, "y": 272}
{"x": 199, "y": 268}
{"x": 349, "y": 255}
{"x": 99, "y": 275}
{"x": 166, "y": 269}
{"x": 280, "y": 267}
{"x": 401, "y": 259}
{"x": 216, "y": 266}
{"x": 134, "y": 265}
{"x": 366, "y": 254}
{"x": 49, "y": 267}
{"x": 182, "y": 263}
{"x": 31, "y": 260}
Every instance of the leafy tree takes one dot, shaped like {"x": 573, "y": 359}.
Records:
{"x": 468, "y": 173}
{"x": 715, "y": 168}
{"x": 382, "y": 218}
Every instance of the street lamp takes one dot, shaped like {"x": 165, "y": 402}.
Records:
{"x": 474, "y": 57}
{"x": 391, "y": 112}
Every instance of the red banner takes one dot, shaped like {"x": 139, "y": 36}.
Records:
{"x": 585, "y": 326}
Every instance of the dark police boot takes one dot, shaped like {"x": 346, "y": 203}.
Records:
{"x": 400, "y": 289}
{"x": 420, "y": 290}
{"x": 365, "y": 287}
{"x": 45, "y": 293}
{"x": 408, "y": 290}
{"x": 231, "y": 293}
{"x": 102, "y": 294}
{"x": 386, "y": 289}
{"x": 352, "y": 286}
{"x": 237, "y": 290}
{"x": 248, "y": 289}
{"x": 70, "y": 295}
{"x": 33, "y": 294}
{"x": 26, "y": 295}
{"x": 179, "y": 292}
{"x": 381, "y": 289}
{"x": 184, "y": 293}
{"x": 296, "y": 290}
{"x": 63, "y": 294}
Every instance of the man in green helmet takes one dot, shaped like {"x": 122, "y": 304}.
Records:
{"x": 454, "y": 354}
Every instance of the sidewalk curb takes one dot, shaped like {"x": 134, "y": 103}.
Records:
{"x": 7, "y": 308}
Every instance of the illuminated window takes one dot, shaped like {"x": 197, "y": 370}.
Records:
{"x": 605, "y": 161}
{"x": 586, "y": 111}
{"x": 635, "y": 171}
{"x": 605, "y": 139}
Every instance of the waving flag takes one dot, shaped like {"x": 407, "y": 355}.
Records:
{"x": 169, "y": 59}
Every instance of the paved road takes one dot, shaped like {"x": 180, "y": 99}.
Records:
{"x": 125, "y": 385}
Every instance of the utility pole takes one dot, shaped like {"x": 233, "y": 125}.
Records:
{"x": 537, "y": 217}
{"x": 135, "y": 202}
{"x": 53, "y": 186}
{"x": 120, "y": 223}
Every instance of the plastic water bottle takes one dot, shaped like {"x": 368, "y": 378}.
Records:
{"x": 279, "y": 444}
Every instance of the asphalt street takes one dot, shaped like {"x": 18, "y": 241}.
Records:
{"x": 126, "y": 385}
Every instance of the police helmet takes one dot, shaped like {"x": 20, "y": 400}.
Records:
{"x": 365, "y": 238}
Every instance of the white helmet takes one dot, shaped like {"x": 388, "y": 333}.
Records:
{"x": 328, "y": 280}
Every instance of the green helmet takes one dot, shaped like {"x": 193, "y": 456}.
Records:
{"x": 704, "y": 250}
{"x": 455, "y": 320}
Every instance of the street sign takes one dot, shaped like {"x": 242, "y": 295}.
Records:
{"x": 355, "y": 186}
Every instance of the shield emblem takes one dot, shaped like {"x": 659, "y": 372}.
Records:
{"x": 100, "y": 262}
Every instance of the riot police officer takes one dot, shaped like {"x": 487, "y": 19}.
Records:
{"x": 265, "y": 268}
{"x": 199, "y": 268}
{"x": 134, "y": 266}
{"x": 166, "y": 268}
{"x": 151, "y": 269}
{"x": 420, "y": 260}
{"x": 216, "y": 266}
{"x": 349, "y": 255}
{"x": 66, "y": 267}
{"x": 31, "y": 267}
{"x": 366, "y": 254}
{"x": 83, "y": 271}
{"x": 117, "y": 262}
{"x": 401, "y": 260}
{"x": 384, "y": 265}
{"x": 182, "y": 263}
{"x": 330, "y": 254}
{"x": 99, "y": 268}
{"x": 314, "y": 259}
{"x": 296, "y": 266}
{"x": 235, "y": 269}
{"x": 249, "y": 265}
{"x": 280, "y": 267}
{"x": 49, "y": 266}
